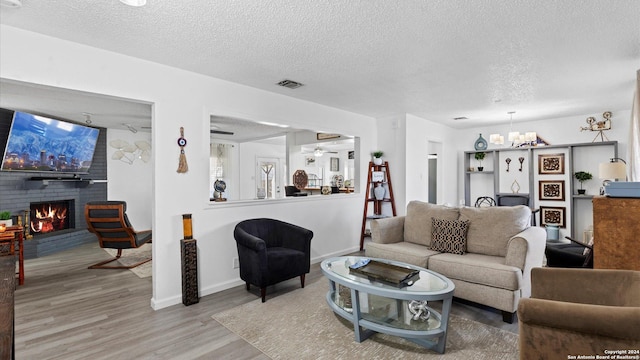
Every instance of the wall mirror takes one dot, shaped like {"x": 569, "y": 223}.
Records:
{"x": 257, "y": 160}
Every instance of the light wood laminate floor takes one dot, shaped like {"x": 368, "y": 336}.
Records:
{"x": 66, "y": 311}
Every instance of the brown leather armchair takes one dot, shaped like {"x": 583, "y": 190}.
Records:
{"x": 109, "y": 222}
{"x": 579, "y": 312}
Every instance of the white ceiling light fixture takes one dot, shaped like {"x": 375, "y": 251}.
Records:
{"x": 11, "y": 3}
{"x": 136, "y": 3}
{"x": 128, "y": 153}
{"x": 318, "y": 152}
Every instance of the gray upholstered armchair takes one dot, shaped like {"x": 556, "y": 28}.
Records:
{"x": 271, "y": 251}
{"x": 579, "y": 312}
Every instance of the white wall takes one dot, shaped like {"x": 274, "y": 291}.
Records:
{"x": 405, "y": 141}
{"x": 132, "y": 183}
{"x": 181, "y": 98}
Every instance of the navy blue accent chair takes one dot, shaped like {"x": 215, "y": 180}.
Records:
{"x": 271, "y": 251}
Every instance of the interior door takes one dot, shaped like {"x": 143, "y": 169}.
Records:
{"x": 268, "y": 177}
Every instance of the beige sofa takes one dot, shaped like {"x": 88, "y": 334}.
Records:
{"x": 500, "y": 251}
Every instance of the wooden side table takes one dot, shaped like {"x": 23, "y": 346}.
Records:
{"x": 16, "y": 237}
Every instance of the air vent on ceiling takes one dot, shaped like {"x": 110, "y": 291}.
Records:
{"x": 460, "y": 118}
{"x": 290, "y": 84}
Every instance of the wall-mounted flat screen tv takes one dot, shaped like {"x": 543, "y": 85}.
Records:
{"x": 41, "y": 144}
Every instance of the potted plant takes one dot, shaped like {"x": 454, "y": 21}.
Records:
{"x": 582, "y": 176}
{"x": 480, "y": 156}
{"x": 5, "y": 218}
{"x": 377, "y": 157}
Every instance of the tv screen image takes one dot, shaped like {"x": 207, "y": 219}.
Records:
{"x": 41, "y": 144}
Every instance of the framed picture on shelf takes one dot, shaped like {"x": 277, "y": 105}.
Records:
{"x": 549, "y": 164}
{"x": 377, "y": 176}
{"x": 550, "y": 215}
{"x": 335, "y": 164}
{"x": 551, "y": 190}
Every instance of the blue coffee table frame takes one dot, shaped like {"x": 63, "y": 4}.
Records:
{"x": 434, "y": 339}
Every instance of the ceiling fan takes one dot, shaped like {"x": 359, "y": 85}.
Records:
{"x": 318, "y": 151}
{"x": 221, "y": 132}
{"x": 216, "y": 130}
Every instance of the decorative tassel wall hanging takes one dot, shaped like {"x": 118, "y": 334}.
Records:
{"x": 182, "y": 142}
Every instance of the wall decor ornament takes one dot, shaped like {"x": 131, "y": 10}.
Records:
{"x": 183, "y": 167}
{"x": 521, "y": 160}
{"x": 508, "y": 161}
{"x": 300, "y": 179}
{"x": 550, "y": 164}
{"x": 309, "y": 160}
{"x": 553, "y": 216}
{"x": 551, "y": 190}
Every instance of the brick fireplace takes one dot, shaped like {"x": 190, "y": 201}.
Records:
{"x": 18, "y": 191}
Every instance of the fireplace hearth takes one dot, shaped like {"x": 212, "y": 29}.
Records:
{"x": 51, "y": 216}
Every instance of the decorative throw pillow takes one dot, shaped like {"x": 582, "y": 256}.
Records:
{"x": 449, "y": 235}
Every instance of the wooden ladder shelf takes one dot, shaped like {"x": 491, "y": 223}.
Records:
{"x": 383, "y": 177}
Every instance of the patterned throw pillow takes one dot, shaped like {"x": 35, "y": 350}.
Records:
{"x": 449, "y": 235}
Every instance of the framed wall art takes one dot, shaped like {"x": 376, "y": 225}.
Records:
{"x": 550, "y": 215}
{"x": 335, "y": 164}
{"x": 550, "y": 164}
{"x": 310, "y": 161}
{"x": 551, "y": 190}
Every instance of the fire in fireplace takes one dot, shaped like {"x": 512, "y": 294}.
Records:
{"x": 47, "y": 217}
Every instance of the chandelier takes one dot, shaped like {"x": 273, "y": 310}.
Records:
{"x": 528, "y": 138}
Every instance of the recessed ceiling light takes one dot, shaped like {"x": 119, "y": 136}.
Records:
{"x": 11, "y": 3}
{"x": 460, "y": 118}
{"x": 134, "y": 2}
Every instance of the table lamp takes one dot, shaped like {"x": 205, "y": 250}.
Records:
{"x": 615, "y": 169}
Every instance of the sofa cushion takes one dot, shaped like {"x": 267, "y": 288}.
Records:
{"x": 449, "y": 235}
{"x": 490, "y": 228}
{"x": 409, "y": 253}
{"x": 417, "y": 222}
{"x": 478, "y": 269}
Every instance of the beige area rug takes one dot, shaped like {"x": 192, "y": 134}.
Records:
{"x": 300, "y": 325}
{"x": 132, "y": 256}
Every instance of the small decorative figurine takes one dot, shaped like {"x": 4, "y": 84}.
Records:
{"x": 599, "y": 126}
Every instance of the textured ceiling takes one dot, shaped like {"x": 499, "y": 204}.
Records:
{"x": 437, "y": 59}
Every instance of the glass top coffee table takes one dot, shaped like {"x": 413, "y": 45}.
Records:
{"x": 377, "y": 306}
